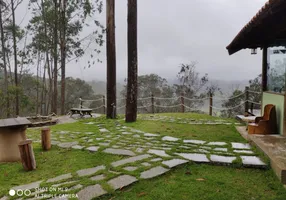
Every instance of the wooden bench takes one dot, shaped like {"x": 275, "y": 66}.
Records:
{"x": 267, "y": 124}
{"x": 81, "y": 111}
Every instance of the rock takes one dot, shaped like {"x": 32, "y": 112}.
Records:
{"x": 67, "y": 145}
{"x": 130, "y": 169}
{"x": 194, "y": 141}
{"x": 217, "y": 143}
{"x": 78, "y": 186}
{"x": 151, "y": 173}
{"x": 89, "y": 123}
{"x": 59, "y": 178}
{"x": 243, "y": 151}
{"x": 236, "y": 145}
{"x": 222, "y": 159}
{"x": 171, "y": 139}
{"x": 90, "y": 171}
{"x": 91, "y": 192}
{"x": 90, "y": 140}
{"x": 121, "y": 181}
{"x": 77, "y": 147}
{"x": 200, "y": 158}
{"x": 220, "y": 149}
{"x": 92, "y": 149}
{"x": 130, "y": 160}
{"x": 29, "y": 186}
{"x": 126, "y": 133}
{"x": 174, "y": 162}
{"x": 156, "y": 160}
{"x": 104, "y": 144}
{"x": 98, "y": 177}
{"x": 64, "y": 183}
{"x": 145, "y": 164}
{"x": 99, "y": 139}
{"x": 119, "y": 152}
{"x": 150, "y": 135}
{"x": 161, "y": 153}
{"x": 103, "y": 130}
{"x": 252, "y": 161}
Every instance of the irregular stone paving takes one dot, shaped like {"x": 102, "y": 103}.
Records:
{"x": 146, "y": 154}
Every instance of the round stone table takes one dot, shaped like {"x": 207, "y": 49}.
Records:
{"x": 12, "y": 132}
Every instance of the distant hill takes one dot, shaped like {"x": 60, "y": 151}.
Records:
{"x": 99, "y": 87}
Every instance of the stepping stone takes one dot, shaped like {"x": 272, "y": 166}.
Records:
{"x": 90, "y": 123}
{"x": 92, "y": 149}
{"x": 91, "y": 192}
{"x": 104, "y": 144}
{"x": 99, "y": 138}
{"x": 29, "y": 186}
{"x": 90, "y": 171}
{"x": 55, "y": 142}
{"x": 200, "y": 158}
{"x": 121, "y": 181}
{"x": 145, "y": 164}
{"x": 90, "y": 140}
{"x": 171, "y": 139}
{"x": 184, "y": 147}
{"x": 150, "y": 135}
{"x": 130, "y": 160}
{"x": 77, "y": 147}
{"x": 220, "y": 149}
{"x": 222, "y": 159}
{"x": 236, "y": 145}
{"x": 243, "y": 151}
{"x": 136, "y": 136}
{"x": 89, "y": 133}
{"x": 103, "y": 130}
{"x": 98, "y": 177}
{"x": 139, "y": 150}
{"x": 156, "y": 160}
{"x": 217, "y": 143}
{"x": 126, "y": 133}
{"x": 161, "y": 153}
{"x": 67, "y": 144}
{"x": 151, "y": 173}
{"x": 64, "y": 183}
{"x": 115, "y": 146}
{"x": 202, "y": 151}
{"x": 174, "y": 162}
{"x": 59, "y": 178}
{"x": 130, "y": 169}
{"x": 63, "y": 132}
{"x": 119, "y": 152}
{"x": 252, "y": 161}
{"x": 194, "y": 141}
{"x": 78, "y": 186}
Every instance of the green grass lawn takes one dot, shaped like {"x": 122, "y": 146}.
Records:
{"x": 203, "y": 182}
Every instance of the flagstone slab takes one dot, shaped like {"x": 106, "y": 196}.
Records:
{"x": 99, "y": 139}
{"x": 200, "y": 158}
{"x": 92, "y": 148}
{"x": 119, "y": 152}
{"x": 98, "y": 177}
{"x": 67, "y": 145}
{"x": 156, "y": 160}
{"x": 145, "y": 164}
{"x": 222, "y": 159}
{"x": 78, "y": 186}
{"x": 160, "y": 153}
{"x": 104, "y": 144}
{"x": 90, "y": 123}
{"x": 243, "y": 151}
{"x": 90, "y": 140}
{"x": 130, "y": 169}
{"x": 151, "y": 135}
{"x": 126, "y": 133}
{"x": 174, "y": 162}
{"x": 252, "y": 161}
{"x": 217, "y": 143}
{"x": 130, "y": 160}
{"x": 236, "y": 145}
{"x": 168, "y": 138}
{"x": 64, "y": 183}
{"x": 121, "y": 181}
{"x": 91, "y": 192}
{"x": 59, "y": 178}
{"x": 151, "y": 173}
{"x": 90, "y": 171}
{"x": 103, "y": 130}
{"x": 29, "y": 186}
{"x": 194, "y": 141}
{"x": 78, "y": 147}
{"x": 220, "y": 149}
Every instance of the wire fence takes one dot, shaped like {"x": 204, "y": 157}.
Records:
{"x": 212, "y": 105}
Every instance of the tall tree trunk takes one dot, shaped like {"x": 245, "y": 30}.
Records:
{"x": 131, "y": 101}
{"x": 55, "y": 95}
{"x": 37, "y": 93}
{"x": 111, "y": 59}
{"x": 15, "y": 58}
{"x": 43, "y": 101}
{"x": 4, "y": 65}
{"x": 63, "y": 56}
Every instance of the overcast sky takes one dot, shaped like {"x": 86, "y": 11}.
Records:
{"x": 174, "y": 32}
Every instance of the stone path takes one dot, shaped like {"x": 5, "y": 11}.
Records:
{"x": 145, "y": 156}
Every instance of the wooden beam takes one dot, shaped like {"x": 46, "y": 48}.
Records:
{"x": 111, "y": 59}
{"x": 264, "y": 69}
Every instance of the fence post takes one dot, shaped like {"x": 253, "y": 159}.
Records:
{"x": 103, "y": 101}
{"x": 246, "y": 100}
{"x": 152, "y": 101}
{"x": 182, "y": 102}
{"x": 211, "y": 104}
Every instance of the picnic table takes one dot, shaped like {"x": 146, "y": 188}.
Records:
{"x": 12, "y": 132}
{"x": 81, "y": 111}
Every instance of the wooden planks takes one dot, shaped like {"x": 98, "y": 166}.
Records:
{"x": 14, "y": 122}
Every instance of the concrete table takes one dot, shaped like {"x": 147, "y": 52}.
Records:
{"x": 12, "y": 132}
{"x": 81, "y": 111}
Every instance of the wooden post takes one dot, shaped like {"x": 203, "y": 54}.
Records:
{"x": 131, "y": 102}
{"x": 264, "y": 69}
{"x": 103, "y": 101}
{"x": 152, "y": 101}
{"x": 111, "y": 58}
{"x": 211, "y": 104}
{"x": 182, "y": 103}
{"x": 246, "y": 101}
{"x": 251, "y": 107}
{"x": 27, "y": 155}
{"x": 46, "y": 139}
